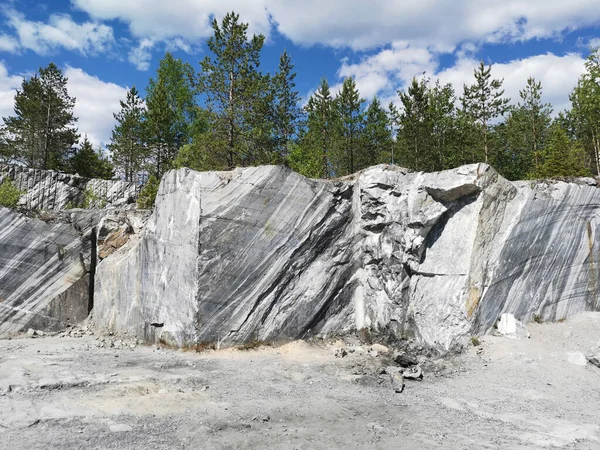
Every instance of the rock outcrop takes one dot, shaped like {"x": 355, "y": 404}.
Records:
{"x": 264, "y": 253}
{"x": 50, "y": 190}
{"x": 44, "y": 271}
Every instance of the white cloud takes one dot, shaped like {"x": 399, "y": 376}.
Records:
{"x": 558, "y": 75}
{"x": 8, "y": 44}
{"x": 440, "y": 24}
{"x": 141, "y": 55}
{"x": 160, "y": 20}
{"x": 388, "y": 69}
{"x": 96, "y": 101}
{"x": 60, "y": 32}
{"x": 359, "y": 24}
{"x": 8, "y": 84}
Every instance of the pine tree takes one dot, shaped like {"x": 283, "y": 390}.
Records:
{"x": 441, "y": 117}
{"x": 564, "y": 158}
{"x": 160, "y": 133}
{"x": 91, "y": 164}
{"x": 414, "y": 127}
{"x": 521, "y": 139}
{"x": 485, "y": 101}
{"x": 177, "y": 78}
{"x": 321, "y": 124}
{"x": 376, "y": 139}
{"x": 287, "y": 109}
{"x": 127, "y": 140}
{"x": 585, "y": 111}
{"x": 42, "y": 131}
{"x": 229, "y": 81}
{"x": 350, "y": 114}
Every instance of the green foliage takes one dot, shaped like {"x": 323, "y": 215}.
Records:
{"x": 537, "y": 318}
{"x": 235, "y": 90}
{"x": 564, "y": 158}
{"x": 287, "y": 112}
{"x": 147, "y": 196}
{"x": 475, "y": 341}
{"x": 9, "y": 194}
{"x": 376, "y": 139}
{"x": 127, "y": 143}
{"x": 90, "y": 200}
{"x": 41, "y": 133}
{"x": 89, "y": 163}
{"x": 171, "y": 116}
{"x": 485, "y": 101}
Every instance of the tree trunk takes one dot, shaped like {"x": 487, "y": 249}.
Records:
{"x": 231, "y": 142}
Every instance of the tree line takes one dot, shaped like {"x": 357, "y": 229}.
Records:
{"x": 230, "y": 113}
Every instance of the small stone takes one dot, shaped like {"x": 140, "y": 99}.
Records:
{"x": 397, "y": 380}
{"x": 339, "y": 352}
{"x": 414, "y": 373}
{"x": 380, "y": 349}
{"x": 404, "y": 359}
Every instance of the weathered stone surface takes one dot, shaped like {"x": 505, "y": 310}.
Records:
{"x": 44, "y": 278}
{"x": 47, "y": 266}
{"x": 263, "y": 253}
{"x": 50, "y": 190}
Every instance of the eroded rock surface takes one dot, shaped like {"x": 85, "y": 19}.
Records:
{"x": 263, "y": 253}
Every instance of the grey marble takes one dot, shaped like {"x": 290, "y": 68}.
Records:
{"x": 50, "y": 190}
{"x": 263, "y": 253}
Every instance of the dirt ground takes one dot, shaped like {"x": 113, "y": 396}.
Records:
{"x": 69, "y": 393}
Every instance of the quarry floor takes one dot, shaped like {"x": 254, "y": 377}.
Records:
{"x": 68, "y": 393}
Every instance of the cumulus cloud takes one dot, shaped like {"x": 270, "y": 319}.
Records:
{"x": 96, "y": 101}
{"x": 8, "y": 84}
{"x": 60, "y": 32}
{"x": 141, "y": 55}
{"x": 358, "y": 24}
{"x": 160, "y": 20}
{"x": 8, "y": 44}
{"x": 558, "y": 75}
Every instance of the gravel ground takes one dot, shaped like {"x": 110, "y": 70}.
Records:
{"x": 83, "y": 392}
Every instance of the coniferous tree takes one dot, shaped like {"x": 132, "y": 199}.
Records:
{"x": 441, "y": 118}
{"x": 229, "y": 81}
{"x": 177, "y": 79}
{"x": 376, "y": 139}
{"x": 160, "y": 133}
{"x": 521, "y": 138}
{"x": 485, "y": 101}
{"x": 42, "y": 133}
{"x": 564, "y": 157}
{"x": 414, "y": 127}
{"x": 287, "y": 109}
{"x": 127, "y": 140}
{"x": 349, "y": 111}
{"x": 585, "y": 113}
{"x": 89, "y": 163}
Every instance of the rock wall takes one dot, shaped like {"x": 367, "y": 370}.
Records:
{"x": 264, "y": 253}
{"x": 44, "y": 272}
{"x": 50, "y": 190}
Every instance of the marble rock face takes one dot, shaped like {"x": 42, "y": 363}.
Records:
{"x": 50, "y": 190}
{"x": 44, "y": 271}
{"x": 264, "y": 253}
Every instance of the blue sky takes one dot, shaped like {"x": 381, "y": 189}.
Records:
{"x": 106, "y": 46}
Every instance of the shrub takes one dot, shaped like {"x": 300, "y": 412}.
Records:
{"x": 475, "y": 341}
{"x": 9, "y": 194}
{"x": 148, "y": 194}
{"x": 537, "y": 318}
{"x": 89, "y": 199}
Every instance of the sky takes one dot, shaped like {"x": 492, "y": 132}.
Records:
{"x": 106, "y": 46}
